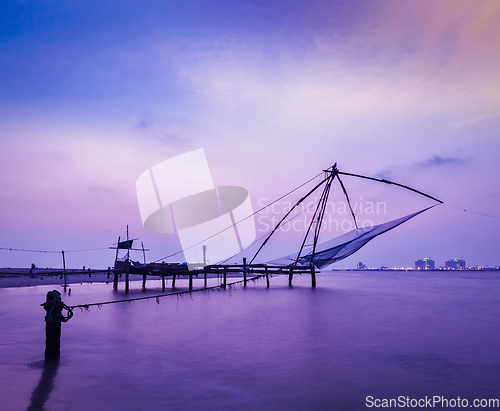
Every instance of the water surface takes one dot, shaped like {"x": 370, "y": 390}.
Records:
{"x": 358, "y": 334}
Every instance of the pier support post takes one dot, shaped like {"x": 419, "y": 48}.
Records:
{"x": 244, "y": 272}
{"x": 115, "y": 280}
{"x": 290, "y": 277}
{"x": 190, "y": 281}
{"x": 64, "y": 271}
{"x": 144, "y": 281}
{"x": 163, "y": 282}
{"x": 313, "y": 276}
{"x": 267, "y": 278}
{"x": 225, "y": 278}
{"x": 52, "y": 326}
{"x": 205, "y": 278}
{"x": 109, "y": 271}
{"x": 173, "y": 280}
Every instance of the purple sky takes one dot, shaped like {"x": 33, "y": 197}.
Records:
{"x": 94, "y": 93}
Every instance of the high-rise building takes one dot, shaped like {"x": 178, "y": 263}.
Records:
{"x": 455, "y": 264}
{"x": 424, "y": 264}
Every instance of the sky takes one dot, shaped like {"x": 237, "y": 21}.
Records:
{"x": 92, "y": 94}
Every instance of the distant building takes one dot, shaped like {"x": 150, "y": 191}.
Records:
{"x": 361, "y": 266}
{"x": 455, "y": 264}
{"x": 424, "y": 264}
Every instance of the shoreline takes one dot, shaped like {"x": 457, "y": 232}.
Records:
{"x": 21, "y": 277}
{"x": 17, "y": 279}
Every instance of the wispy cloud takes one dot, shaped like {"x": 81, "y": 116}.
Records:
{"x": 436, "y": 160}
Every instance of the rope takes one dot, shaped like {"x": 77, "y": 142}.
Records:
{"x": 50, "y": 251}
{"x": 472, "y": 212}
{"x": 87, "y": 306}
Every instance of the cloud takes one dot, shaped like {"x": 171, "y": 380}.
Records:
{"x": 436, "y": 160}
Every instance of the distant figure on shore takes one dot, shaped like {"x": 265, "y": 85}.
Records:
{"x": 32, "y": 268}
{"x": 83, "y": 268}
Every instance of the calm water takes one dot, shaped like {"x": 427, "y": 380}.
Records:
{"x": 357, "y": 334}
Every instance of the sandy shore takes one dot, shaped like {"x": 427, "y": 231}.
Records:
{"x": 19, "y": 277}
{"x": 23, "y": 277}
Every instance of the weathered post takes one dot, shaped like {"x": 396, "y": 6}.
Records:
{"x": 244, "y": 271}
{"x": 54, "y": 306}
{"x": 190, "y": 281}
{"x": 173, "y": 280}
{"x": 267, "y": 278}
{"x": 163, "y": 282}
{"x": 115, "y": 280}
{"x": 205, "y": 278}
{"x": 64, "y": 271}
{"x": 313, "y": 276}
{"x": 109, "y": 271}
{"x": 127, "y": 267}
{"x": 225, "y": 278}
{"x": 290, "y": 276}
{"x": 144, "y": 281}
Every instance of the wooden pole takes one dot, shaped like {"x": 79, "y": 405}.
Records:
{"x": 117, "y": 246}
{"x": 244, "y": 271}
{"x": 115, "y": 280}
{"x": 144, "y": 281}
{"x": 64, "y": 270}
{"x": 267, "y": 278}
{"x": 163, "y": 282}
{"x": 190, "y": 281}
{"x": 205, "y": 278}
{"x": 143, "y": 252}
{"x": 127, "y": 264}
{"x": 225, "y": 278}
{"x": 290, "y": 276}
{"x": 173, "y": 280}
{"x": 313, "y": 276}
{"x": 52, "y": 326}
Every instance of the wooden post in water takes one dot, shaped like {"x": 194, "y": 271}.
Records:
{"x": 173, "y": 280}
{"x": 313, "y": 276}
{"x": 267, "y": 278}
{"x": 127, "y": 268}
{"x": 53, "y": 325}
{"x": 190, "y": 281}
{"x": 64, "y": 271}
{"x": 204, "y": 278}
{"x": 290, "y": 276}
{"x": 225, "y": 277}
{"x": 115, "y": 280}
{"x": 109, "y": 271}
{"x": 144, "y": 281}
{"x": 244, "y": 271}
{"x": 163, "y": 282}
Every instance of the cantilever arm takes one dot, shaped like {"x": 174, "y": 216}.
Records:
{"x": 390, "y": 182}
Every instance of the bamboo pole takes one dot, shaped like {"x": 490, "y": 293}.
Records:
{"x": 244, "y": 271}
{"x": 64, "y": 270}
{"x": 127, "y": 266}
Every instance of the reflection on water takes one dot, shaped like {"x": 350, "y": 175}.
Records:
{"x": 285, "y": 348}
{"x": 41, "y": 393}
